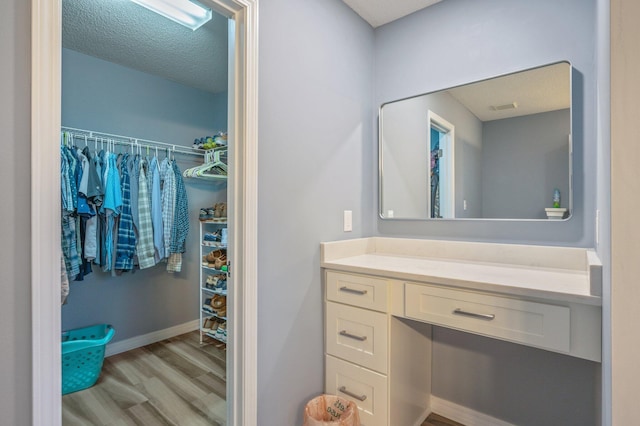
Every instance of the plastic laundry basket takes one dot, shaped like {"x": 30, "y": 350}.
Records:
{"x": 82, "y": 356}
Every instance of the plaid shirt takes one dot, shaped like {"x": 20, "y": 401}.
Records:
{"x": 69, "y": 246}
{"x": 180, "y": 227}
{"x": 126, "y": 236}
{"x": 145, "y": 230}
{"x": 168, "y": 202}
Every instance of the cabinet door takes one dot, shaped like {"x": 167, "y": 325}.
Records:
{"x": 357, "y": 335}
{"x": 366, "y": 388}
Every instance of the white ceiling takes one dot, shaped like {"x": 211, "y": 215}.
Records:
{"x": 125, "y": 33}
{"x": 534, "y": 91}
{"x": 380, "y": 12}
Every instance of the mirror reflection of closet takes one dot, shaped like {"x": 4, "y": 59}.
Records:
{"x": 130, "y": 72}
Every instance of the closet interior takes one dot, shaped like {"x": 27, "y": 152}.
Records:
{"x": 144, "y": 166}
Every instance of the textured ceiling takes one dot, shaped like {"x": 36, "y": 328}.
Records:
{"x": 380, "y": 12}
{"x": 535, "y": 91}
{"x": 125, "y": 33}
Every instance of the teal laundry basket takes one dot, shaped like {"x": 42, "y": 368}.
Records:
{"x": 82, "y": 356}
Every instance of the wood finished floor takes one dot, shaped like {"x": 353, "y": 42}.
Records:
{"x": 436, "y": 420}
{"x": 173, "y": 382}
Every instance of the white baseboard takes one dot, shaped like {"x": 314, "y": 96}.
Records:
{"x": 423, "y": 417}
{"x": 464, "y": 415}
{"x": 149, "y": 338}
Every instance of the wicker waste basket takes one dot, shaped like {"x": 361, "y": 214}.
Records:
{"x": 331, "y": 410}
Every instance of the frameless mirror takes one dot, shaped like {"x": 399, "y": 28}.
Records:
{"x": 494, "y": 149}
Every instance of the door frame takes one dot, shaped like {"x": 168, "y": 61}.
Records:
{"x": 46, "y": 48}
{"x": 447, "y": 167}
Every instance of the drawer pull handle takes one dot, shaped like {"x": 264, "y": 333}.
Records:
{"x": 353, "y": 290}
{"x": 487, "y": 317}
{"x": 351, "y": 394}
{"x": 345, "y": 333}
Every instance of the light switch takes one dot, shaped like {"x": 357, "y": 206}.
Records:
{"x": 348, "y": 221}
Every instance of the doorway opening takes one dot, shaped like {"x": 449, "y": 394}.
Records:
{"x": 441, "y": 161}
{"x": 46, "y": 123}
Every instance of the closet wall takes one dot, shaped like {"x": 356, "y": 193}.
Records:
{"x": 102, "y": 96}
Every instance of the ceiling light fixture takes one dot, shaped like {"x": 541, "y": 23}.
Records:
{"x": 184, "y": 12}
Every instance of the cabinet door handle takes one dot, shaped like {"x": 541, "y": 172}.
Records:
{"x": 353, "y": 290}
{"x": 487, "y": 317}
{"x": 345, "y": 391}
{"x": 345, "y": 333}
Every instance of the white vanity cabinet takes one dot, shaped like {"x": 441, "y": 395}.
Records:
{"x": 381, "y": 300}
{"x": 356, "y": 343}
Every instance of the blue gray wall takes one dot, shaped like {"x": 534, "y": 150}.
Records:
{"x": 15, "y": 226}
{"x": 102, "y": 96}
{"x": 475, "y": 40}
{"x": 523, "y": 160}
{"x": 317, "y": 157}
{"x": 405, "y": 125}
{"x": 471, "y": 41}
{"x": 315, "y": 160}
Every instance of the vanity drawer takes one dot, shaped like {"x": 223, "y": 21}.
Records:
{"x": 366, "y": 388}
{"x": 357, "y": 335}
{"x": 357, "y": 290}
{"x": 532, "y": 323}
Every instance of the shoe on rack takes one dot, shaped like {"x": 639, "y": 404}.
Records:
{"x": 221, "y": 283}
{"x": 221, "y": 332}
{"x": 209, "y": 325}
{"x": 220, "y": 262}
{"x": 220, "y": 210}
{"x": 206, "y": 306}
{"x": 218, "y": 302}
{"x": 204, "y": 215}
{"x": 213, "y": 256}
{"x": 212, "y": 282}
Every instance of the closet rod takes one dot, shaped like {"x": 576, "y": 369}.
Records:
{"x": 128, "y": 141}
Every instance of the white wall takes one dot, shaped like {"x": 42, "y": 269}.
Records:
{"x": 315, "y": 157}
{"x": 103, "y": 96}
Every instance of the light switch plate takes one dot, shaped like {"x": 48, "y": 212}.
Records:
{"x": 348, "y": 221}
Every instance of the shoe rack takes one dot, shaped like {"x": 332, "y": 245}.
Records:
{"x": 213, "y": 280}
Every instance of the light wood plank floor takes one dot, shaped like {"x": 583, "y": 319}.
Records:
{"x": 173, "y": 382}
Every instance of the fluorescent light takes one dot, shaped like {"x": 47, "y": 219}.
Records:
{"x": 184, "y": 12}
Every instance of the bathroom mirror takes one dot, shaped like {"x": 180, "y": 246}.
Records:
{"x": 493, "y": 149}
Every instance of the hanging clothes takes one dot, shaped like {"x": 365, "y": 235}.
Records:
{"x": 126, "y": 247}
{"x": 180, "y": 227}
{"x": 145, "y": 249}
{"x": 168, "y": 203}
{"x": 119, "y": 211}
{"x": 111, "y": 208}
{"x": 156, "y": 210}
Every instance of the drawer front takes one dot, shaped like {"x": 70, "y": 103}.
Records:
{"x": 357, "y": 290}
{"x": 536, "y": 324}
{"x": 366, "y": 388}
{"x": 357, "y": 335}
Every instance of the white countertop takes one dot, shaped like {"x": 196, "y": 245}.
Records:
{"x": 556, "y": 274}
